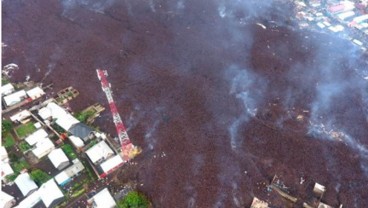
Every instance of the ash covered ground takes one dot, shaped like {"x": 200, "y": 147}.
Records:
{"x": 229, "y": 102}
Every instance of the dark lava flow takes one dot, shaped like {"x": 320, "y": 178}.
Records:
{"x": 228, "y": 102}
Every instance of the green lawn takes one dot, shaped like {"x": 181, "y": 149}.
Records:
{"x": 25, "y": 129}
{"x": 8, "y": 140}
{"x": 69, "y": 151}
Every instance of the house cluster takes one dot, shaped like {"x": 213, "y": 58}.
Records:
{"x": 11, "y": 97}
{"x": 53, "y": 127}
{"x": 347, "y": 18}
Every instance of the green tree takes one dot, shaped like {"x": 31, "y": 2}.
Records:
{"x": 6, "y": 126}
{"x": 134, "y": 199}
{"x": 39, "y": 176}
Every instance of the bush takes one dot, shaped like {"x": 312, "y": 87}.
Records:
{"x": 19, "y": 165}
{"x": 68, "y": 149}
{"x": 6, "y": 127}
{"x": 39, "y": 176}
{"x": 24, "y": 146}
{"x": 133, "y": 200}
{"x": 84, "y": 115}
{"x": 7, "y": 140}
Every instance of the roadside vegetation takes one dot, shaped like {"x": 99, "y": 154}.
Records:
{"x": 17, "y": 164}
{"x": 134, "y": 199}
{"x": 25, "y": 129}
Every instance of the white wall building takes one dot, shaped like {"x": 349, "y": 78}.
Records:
{"x": 25, "y": 184}
{"x": 58, "y": 159}
{"x": 43, "y": 148}
{"x": 101, "y": 151}
{"x": 35, "y": 93}
{"x": 102, "y": 199}
{"x": 7, "y": 89}
{"x": 15, "y": 98}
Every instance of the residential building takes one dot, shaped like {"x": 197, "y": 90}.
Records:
{"x": 6, "y": 200}
{"x": 82, "y": 131}
{"x": 111, "y": 164}
{"x": 43, "y": 148}
{"x": 58, "y": 159}
{"x": 35, "y": 93}
{"x": 7, "y": 89}
{"x": 99, "y": 152}
{"x": 25, "y": 184}
{"x": 102, "y": 199}
{"x": 19, "y": 117}
{"x": 65, "y": 176}
{"x": 50, "y": 194}
{"x": 15, "y": 98}
{"x": 36, "y": 137}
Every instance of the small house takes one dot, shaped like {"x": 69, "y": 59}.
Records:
{"x": 7, "y": 89}
{"x": 50, "y": 194}
{"x": 15, "y": 98}
{"x": 82, "y": 131}
{"x": 65, "y": 176}
{"x": 43, "y": 148}
{"x": 58, "y": 159}
{"x": 99, "y": 152}
{"x": 6, "y": 200}
{"x": 25, "y": 184}
{"x": 102, "y": 199}
{"x": 35, "y": 93}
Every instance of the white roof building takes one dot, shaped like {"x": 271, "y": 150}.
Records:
{"x": 66, "y": 121}
{"x": 43, "y": 148}
{"x": 58, "y": 158}
{"x": 30, "y": 201}
{"x": 15, "y": 98}
{"x": 20, "y": 116}
{"x": 50, "y": 193}
{"x": 103, "y": 199}
{"x": 25, "y": 183}
{"x": 3, "y": 154}
{"x": 35, "y": 93}
{"x": 65, "y": 176}
{"x": 7, "y": 89}
{"x": 77, "y": 142}
{"x": 36, "y": 136}
{"x": 6, "y": 200}
{"x": 101, "y": 151}
{"x": 44, "y": 113}
{"x": 111, "y": 163}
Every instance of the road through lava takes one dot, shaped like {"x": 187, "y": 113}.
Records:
{"x": 232, "y": 92}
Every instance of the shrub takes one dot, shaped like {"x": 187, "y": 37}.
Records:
{"x": 39, "y": 176}
{"x": 133, "y": 199}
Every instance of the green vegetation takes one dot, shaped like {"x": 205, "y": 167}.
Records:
{"x": 19, "y": 165}
{"x": 24, "y": 146}
{"x": 7, "y": 140}
{"x": 133, "y": 199}
{"x": 11, "y": 177}
{"x": 69, "y": 151}
{"x": 84, "y": 115}
{"x": 4, "y": 80}
{"x": 25, "y": 129}
{"x": 39, "y": 176}
{"x": 77, "y": 193}
{"x": 57, "y": 128}
{"x": 6, "y": 127}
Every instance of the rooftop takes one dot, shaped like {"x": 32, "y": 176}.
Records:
{"x": 49, "y": 192}
{"x": 100, "y": 151}
{"x": 25, "y": 183}
{"x": 103, "y": 199}
{"x": 57, "y": 157}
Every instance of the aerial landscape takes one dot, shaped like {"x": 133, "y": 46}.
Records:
{"x": 184, "y": 103}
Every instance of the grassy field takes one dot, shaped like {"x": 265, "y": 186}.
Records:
{"x": 25, "y": 129}
{"x": 7, "y": 140}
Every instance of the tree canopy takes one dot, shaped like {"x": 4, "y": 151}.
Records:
{"x": 134, "y": 199}
{"x": 39, "y": 176}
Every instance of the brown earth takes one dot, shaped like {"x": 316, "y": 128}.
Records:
{"x": 172, "y": 66}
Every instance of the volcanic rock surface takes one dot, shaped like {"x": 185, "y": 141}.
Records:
{"x": 219, "y": 103}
